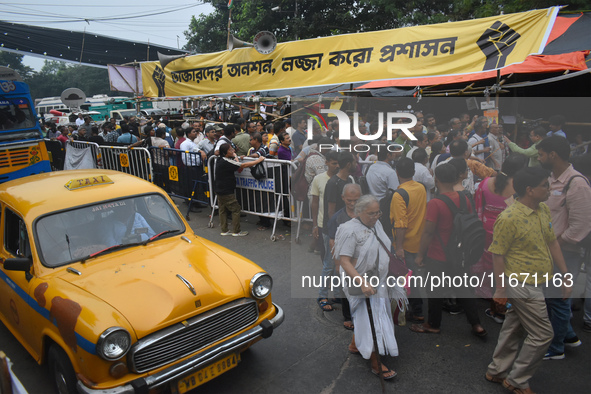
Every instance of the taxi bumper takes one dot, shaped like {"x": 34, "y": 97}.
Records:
{"x": 195, "y": 363}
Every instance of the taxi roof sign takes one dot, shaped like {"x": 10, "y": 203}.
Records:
{"x": 79, "y": 183}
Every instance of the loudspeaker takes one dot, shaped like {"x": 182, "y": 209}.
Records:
{"x": 165, "y": 59}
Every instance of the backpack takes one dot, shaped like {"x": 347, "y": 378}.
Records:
{"x": 299, "y": 183}
{"x": 468, "y": 238}
{"x": 385, "y": 203}
{"x": 585, "y": 242}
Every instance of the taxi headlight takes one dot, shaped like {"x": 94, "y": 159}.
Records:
{"x": 260, "y": 285}
{"x": 113, "y": 343}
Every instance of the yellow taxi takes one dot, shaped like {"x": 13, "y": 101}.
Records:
{"x": 103, "y": 279}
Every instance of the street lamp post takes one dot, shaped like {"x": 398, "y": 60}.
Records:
{"x": 295, "y": 16}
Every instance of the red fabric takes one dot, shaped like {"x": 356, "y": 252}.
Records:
{"x": 439, "y": 213}
{"x": 574, "y": 61}
{"x": 561, "y": 25}
{"x": 177, "y": 144}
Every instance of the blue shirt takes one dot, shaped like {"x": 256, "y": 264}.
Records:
{"x": 559, "y": 133}
{"x": 118, "y": 230}
{"x": 127, "y": 138}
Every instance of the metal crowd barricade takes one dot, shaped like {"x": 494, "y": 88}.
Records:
{"x": 57, "y": 153}
{"x": 94, "y": 148}
{"x": 181, "y": 174}
{"x": 134, "y": 161}
{"x": 270, "y": 197}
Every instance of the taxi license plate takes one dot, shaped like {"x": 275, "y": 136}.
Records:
{"x": 208, "y": 373}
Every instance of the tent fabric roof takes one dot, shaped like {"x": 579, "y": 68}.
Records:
{"x": 568, "y": 45}
{"x": 533, "y": 64}
{"x": 94, "y": 49}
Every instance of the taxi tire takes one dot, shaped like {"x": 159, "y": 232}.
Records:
{"x": 62, "y": 373}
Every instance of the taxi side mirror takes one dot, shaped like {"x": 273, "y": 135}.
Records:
{"x": 19, "y": 264}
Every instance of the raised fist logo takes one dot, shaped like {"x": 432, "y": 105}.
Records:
{"x": 159, "y": 79}
{"x": 497, "y": 42}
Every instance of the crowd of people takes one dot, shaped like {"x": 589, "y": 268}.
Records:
{"x": 530, "y": 196}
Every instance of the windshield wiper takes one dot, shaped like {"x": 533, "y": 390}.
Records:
{"x": 161, "y": 234}
{"x": 110, "y": 249}
{"x": 122, "y": 246}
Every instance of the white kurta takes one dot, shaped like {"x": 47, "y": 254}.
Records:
{"x": 355, "y": 240}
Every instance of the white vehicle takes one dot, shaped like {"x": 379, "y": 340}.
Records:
{"x": 44, "y": 105}
{"x": 168, "y": 105}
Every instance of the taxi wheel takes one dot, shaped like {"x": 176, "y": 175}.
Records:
{"x": 62, "y": 373}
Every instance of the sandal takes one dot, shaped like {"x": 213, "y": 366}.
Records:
{"x": 353, "y": 349}
{"x": 325, "y": 305}
{"x": 387, "y": 374}
{"x": 516, "y": 390}
{"x": 349, "y": 325}
{"x": 424, "y": 329}
{"x": 493, "y": 379}
{"x": 479, "y": 333}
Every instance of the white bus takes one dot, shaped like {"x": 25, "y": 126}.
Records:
{"x": 44, "y": 105}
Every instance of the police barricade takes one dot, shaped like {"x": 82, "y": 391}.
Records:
{"x": 270, "y": 197}
{"x": 56, "y": 152}
{"x": 181, "y": 174}
{"x": 94, "y": 148}
{"x": 134, "y": 161}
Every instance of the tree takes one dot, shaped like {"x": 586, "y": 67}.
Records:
{"x": 56, "y": 76}
{"x": 15, "y": 62}
{"x": 208, "y": 33}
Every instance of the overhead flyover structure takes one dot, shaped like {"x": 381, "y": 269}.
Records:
{"x": 81, "y": 47}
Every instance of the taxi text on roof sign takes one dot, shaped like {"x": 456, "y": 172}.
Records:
{"x": 79, "y": 183}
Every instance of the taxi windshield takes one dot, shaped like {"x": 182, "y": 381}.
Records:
{"x": 83, "y": 232}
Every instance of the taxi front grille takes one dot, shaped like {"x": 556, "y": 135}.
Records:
{"x": 181, "y": 340}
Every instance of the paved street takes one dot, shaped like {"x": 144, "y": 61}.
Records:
{"x": 308, "y": 353}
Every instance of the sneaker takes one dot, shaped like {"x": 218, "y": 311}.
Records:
{"x": 452, "y": 308}
{"x": 455, "y": 309}
{"x": 586, "y": 327}
{"x": 573, "y": 342}
{"x": 554, "y": 356}
{"x": 226, "y": 233}
{"x": 240, "y": 234}
{"x": 497, "y": 318}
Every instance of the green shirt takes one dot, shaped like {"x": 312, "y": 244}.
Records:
{"x": 531, "y": 152}
{"x": 242, "y": 142}
{"x": 522, "y": 236}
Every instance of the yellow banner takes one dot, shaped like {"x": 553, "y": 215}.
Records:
{"x": 443, "y": 49}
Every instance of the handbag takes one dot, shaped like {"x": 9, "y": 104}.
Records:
{"x": 396, "y": 266}
{"x": 259, "y": 171}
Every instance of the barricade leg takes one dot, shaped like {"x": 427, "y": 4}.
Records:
{"x": 299, "y": 209}
{"x": 213, "y": 205}
{"x": 278, "y": 207}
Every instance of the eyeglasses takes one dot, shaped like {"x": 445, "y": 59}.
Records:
{"x": 374, "y": 214}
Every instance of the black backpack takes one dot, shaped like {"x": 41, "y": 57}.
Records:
{"x": 385, "y": 204}
{"x": 299, "y": 183}
{"x": 468, "y": 237}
